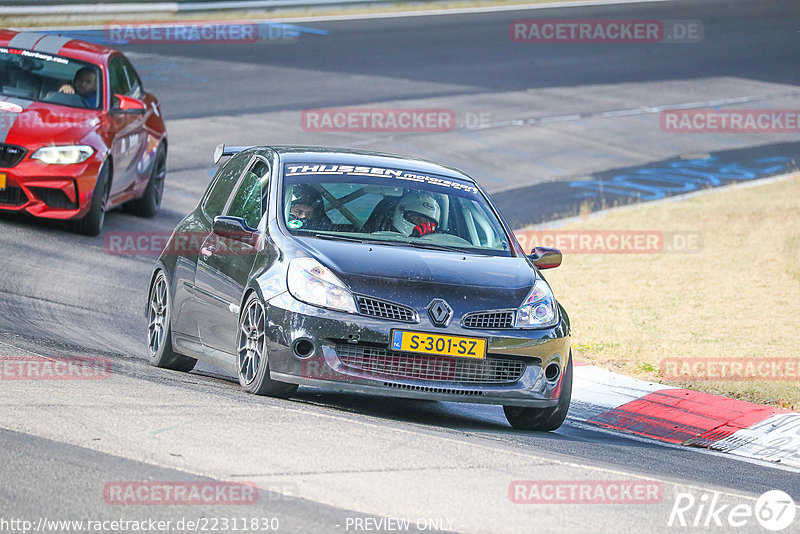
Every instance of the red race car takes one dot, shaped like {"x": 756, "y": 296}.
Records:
{"x": 79, "y": 135}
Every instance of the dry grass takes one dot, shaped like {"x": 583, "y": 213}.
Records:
{"x": 737, "y": 297}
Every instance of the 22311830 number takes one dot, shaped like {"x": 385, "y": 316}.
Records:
{"x": 461, "y": 347}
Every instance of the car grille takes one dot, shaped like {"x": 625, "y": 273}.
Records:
{"x": 386, "y": 310}
{"x": 13, "y": 196}
{"x": 10, "y": 155}
{"x": 380, "y": 363}
{"x": 491, "y": 320}
{"x": 428, "y": 389}
{"x": 54, "y": 198}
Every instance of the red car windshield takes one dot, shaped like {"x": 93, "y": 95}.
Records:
{"x": 42, "y": 77}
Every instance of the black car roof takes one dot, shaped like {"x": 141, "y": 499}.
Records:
{"x": 311, "y": 154}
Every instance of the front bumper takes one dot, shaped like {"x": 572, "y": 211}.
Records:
{"x": 50, "y": 191}
{"x": 351, "y": 353}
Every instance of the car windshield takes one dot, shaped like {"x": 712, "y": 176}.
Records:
{"x": 390, "y": 206}
{"x": 48, "y": 78}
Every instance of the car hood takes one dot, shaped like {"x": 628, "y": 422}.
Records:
{"x": 41, "y": 124}
{"x": 415, "y": 276}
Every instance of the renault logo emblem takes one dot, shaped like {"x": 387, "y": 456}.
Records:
{"x": 440, "y": 312}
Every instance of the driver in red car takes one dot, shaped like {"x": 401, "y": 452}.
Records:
{"x": 84, "y": 84}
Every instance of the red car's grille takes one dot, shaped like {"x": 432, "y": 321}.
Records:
{"x": 13, "y": 196}
{"x": 54, "y": 198}
{"x": 380, "y": 363}
{"x": 10, "y": 155}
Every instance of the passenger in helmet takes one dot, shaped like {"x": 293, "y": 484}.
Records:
{"x": 417, "y": 214}
{"x": 308, "y": 209}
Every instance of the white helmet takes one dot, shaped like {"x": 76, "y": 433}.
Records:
{"x": 418, "y": 202}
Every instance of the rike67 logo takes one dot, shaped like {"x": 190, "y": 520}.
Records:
{"x": 774, "y": 510}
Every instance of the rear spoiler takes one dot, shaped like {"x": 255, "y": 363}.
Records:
{"x": 222, "y": 151}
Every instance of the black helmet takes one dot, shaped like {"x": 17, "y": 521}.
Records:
{"x": 306, "y": 194}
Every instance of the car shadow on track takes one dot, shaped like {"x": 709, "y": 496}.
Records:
{"x": 116, "y": 220}
{"x": 462, "y": 417}
{"x": 574, "y": 437}
{"x": 447, "y": 415}
{"x": 410, "y": 410}
{"x": 24, "y": 220}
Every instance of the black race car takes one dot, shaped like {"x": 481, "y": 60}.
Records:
{"x": 361, "y": 272}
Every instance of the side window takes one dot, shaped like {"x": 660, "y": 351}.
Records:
{"x": 134, "y": 83}
{"x": 117, "y": 79}
{"x": 224, "y": 183}
{"x": 247, "y": 201}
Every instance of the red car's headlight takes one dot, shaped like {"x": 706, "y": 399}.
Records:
{"x": 64, "y": 154}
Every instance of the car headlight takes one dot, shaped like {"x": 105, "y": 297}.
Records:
{"x": 539, "y": 308}
{"x": 313, "y": 283}
{"x": 64, "y": 154}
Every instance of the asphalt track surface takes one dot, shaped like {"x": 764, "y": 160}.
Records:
{"x": 324, "y": 458}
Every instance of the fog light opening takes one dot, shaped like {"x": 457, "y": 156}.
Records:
{"x": 303, "y": 348}
{"x": 552, "y": 372}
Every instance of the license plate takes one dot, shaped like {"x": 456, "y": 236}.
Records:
{"x": 440, "y": 345}
{"x": 2, "y": 181}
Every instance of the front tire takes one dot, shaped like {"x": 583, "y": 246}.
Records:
{"x": 252, "y": 358}
{"x": 92, "y": 222}
{"x": 159, "y": 342}
{"x": 543, "y": 419}
{"x": 150, "y": 202}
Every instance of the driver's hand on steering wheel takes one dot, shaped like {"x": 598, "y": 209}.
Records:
{"x": 67, "y": 89}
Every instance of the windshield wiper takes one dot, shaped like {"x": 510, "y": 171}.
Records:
{"x": 417, "y": 244}
{"x": 335, "y": 237}
{"x": 432, "y": 246}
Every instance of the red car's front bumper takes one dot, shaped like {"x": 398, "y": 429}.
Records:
{"x": 50, "y": 191}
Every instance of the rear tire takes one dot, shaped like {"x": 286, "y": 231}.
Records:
{"x": 252, "y": 357}
{"x": 92, "y": 222}
{"x": 159, "y": 342}
{"x": 150, "y": 202}
{"x": 543, "y": 419}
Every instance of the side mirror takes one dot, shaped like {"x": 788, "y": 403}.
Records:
{"x": 233, "y": 228}
{"x": 128, "y": 104}
{"x": 545, "y": 258}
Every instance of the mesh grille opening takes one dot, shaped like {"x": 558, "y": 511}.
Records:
{"x": 490, "y": 320}
{"x": 385, "y": 310}
{"x": 13, "y": 196}
{"x": 54, "y": 198}
{"x": 380, "y": 363}
{"x": 429, "y": 389}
